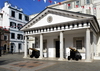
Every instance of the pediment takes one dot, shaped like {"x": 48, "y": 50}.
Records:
{"x": 52, "y": 16}
{"x": 51, "y": 19}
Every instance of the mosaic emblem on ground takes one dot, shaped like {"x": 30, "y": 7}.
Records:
{"x": 29, "y": 64}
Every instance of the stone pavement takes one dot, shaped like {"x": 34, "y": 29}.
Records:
{"x": 74, "y": 66}
{"x": 16, "y": 62}
{"x": 27, "y": 65}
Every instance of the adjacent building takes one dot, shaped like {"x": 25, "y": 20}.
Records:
{"x": 4, "y": 40}
{"x": 13, "y": 19}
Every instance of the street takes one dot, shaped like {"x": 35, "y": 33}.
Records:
{"x": 16, "y": 62}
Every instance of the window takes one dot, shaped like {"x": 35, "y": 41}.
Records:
{"x": 19, "y": 36}
{"x": 5, "y": 37}
{"x": 13, "y": 13}
{"x": 12, "y": 24}
{"x": 26, "y": 18}
{"x": 20, "y": 16}
{"x": 69, "y": 6}
{"x": 77, "y": 4}
{"x": 19, "y": 26}
{"x": 87, "y": 1}
{"x": 12, "y": 35}
{"x": 78, "y": 42}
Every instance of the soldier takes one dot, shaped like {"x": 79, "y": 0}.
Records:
{"x": 12, "y": 50}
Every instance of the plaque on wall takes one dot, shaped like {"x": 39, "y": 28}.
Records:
{"x": 49, "y": 19}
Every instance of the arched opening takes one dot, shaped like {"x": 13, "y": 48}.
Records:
{"x": 12, "y": 47}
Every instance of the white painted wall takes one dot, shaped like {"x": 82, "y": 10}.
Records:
{"x": 0, "y": 20}
{"x": 6, "y": 11}
{"x": 5, "y": 16}
{"x": 51, "y": 46}
{"x": 55, "y": 19}
{"x": 32, "y": 16}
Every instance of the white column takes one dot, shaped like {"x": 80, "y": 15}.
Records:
{"x": 88, "y": 48}
{"x": 41, "y": 46}
{"x": 61, "y": 46}
{"x": 25, "y": 49}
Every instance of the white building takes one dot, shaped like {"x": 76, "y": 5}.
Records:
{"x": 81, "y": 6}
{"x": 59, "y": 27}
{"x": 13, "y": 19}
{"x": 1, "y": 18}
{"x": 32, "y": 16}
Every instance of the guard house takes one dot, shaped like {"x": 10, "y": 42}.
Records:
{"x": 56, "y": 30}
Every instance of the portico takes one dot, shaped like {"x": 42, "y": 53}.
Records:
{"x": 70, "y": 28}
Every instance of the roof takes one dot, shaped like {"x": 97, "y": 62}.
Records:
{"x": 15, "y": 9}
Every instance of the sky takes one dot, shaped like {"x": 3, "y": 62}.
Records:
{"x": 30, "y": 6}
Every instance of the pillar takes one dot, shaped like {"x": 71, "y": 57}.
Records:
{"x": 88, "y": 48}
{"x": 61, "y": 46}
{"x": 41, "y": 46}
{"x": 25, "y": 49}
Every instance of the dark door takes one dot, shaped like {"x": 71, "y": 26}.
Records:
{"x": 5, "y": 47}
{"x": 57, "y": 48}
{"x": 4, "y": 50}
{"x": 12, "y": 48}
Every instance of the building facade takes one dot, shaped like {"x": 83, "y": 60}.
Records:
{"x": 71, "y": 24}
{"x": 13, "y": 18}
{"x": 54, "y": 37}
{"x": 4, "y": 40}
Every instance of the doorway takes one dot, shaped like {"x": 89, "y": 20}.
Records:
{"x": 4, "y": 50}
{"x": 57, "y": 46}
{"x": 12, "y": 47}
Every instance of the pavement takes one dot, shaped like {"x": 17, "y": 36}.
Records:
{"x": 16, "y": 62}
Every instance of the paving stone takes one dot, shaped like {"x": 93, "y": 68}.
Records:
{"x": 16, "y": 62}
